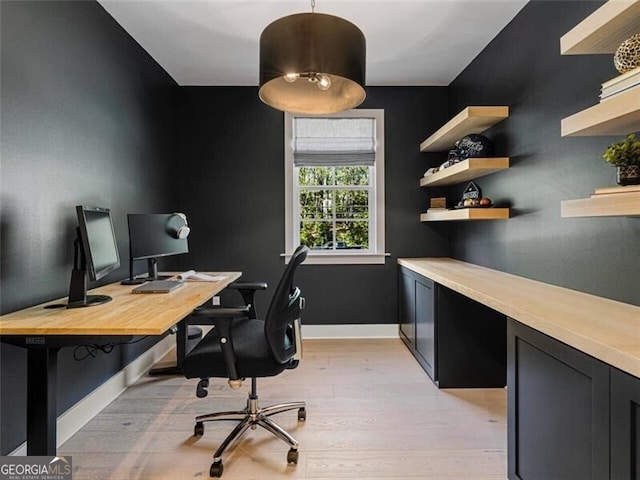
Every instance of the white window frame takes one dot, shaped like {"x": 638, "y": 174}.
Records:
{"x": 375, "y": 254}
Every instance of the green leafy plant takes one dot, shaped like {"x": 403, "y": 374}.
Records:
{"x": 626, "y": 152}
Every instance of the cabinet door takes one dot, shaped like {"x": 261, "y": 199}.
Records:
{"x": 406, "y": 306}
{"x": 425, "y": 325}
{"x": 558, "y": 410}
{"x": 625, "y": 426}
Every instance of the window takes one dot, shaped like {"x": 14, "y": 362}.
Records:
{"x": 334, "y": 186}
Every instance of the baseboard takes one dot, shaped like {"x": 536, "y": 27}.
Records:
{"x": 77, "y": 416}
{"x": 350, "y": 331}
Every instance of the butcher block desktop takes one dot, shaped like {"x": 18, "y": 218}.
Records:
{"x": 605, "y": 329}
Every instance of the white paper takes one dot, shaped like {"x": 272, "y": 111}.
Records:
{"x": 193, "y": 276}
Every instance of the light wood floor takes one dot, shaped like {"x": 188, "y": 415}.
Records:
{"x": 372, "y": 413}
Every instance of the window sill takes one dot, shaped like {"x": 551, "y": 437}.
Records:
{"x": 323, "y": 258}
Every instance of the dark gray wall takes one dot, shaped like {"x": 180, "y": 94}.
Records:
{"x": 232, "y": 186}
{"x": 523, "y": 68}
{"x": 87, "y": 118}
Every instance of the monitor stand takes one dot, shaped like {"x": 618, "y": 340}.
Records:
{"x": 78, "y": 292}
{"x": 78, "y": 285}
{"x": 152, "y": 269}
{"x": 90, "y": 301}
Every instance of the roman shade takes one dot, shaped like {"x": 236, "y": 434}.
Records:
{"x": 321, "y": 142}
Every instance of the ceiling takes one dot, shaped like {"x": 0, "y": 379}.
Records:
{"x": 215, "y": 42}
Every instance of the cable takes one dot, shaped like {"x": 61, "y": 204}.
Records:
{"x": 92, "y": 349}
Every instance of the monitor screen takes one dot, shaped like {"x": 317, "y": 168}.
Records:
{"x": 98, "y": 241}
{"x": 95, "y": 255}
{"x": 155, "y": 235}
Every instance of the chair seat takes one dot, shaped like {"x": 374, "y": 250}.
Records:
{"x": 253, "y": 357}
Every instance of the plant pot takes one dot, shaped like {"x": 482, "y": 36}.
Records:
{"x": 628, "y": 175}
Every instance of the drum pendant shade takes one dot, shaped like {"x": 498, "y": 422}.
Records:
{"x": 312, "y": 63}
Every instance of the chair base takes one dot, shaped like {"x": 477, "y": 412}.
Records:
{"x": 251, "y": 417}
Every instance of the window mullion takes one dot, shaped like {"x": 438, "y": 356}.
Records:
{"x": 296, "y": 205}
{"x": 372, "y": 210}
{"x": 333, "y": 213}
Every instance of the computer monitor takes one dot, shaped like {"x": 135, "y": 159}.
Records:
{"x": 95, "y": 254}
{"x": 152, "y": 236}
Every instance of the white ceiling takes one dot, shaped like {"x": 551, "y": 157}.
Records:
{"x": 215, "y": 42}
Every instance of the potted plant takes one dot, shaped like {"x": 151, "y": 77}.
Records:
{"x": 625, "y": 155}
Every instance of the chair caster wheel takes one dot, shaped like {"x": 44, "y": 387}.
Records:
{"x": 216, "y": 469}
{"x": 292, "y": 456}
{"x": 201, "y": 389}
{"x": 302, "y": 415}
{"x": 198, "y": 430}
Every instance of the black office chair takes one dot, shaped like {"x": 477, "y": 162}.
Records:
{"x": 241, "y": 347}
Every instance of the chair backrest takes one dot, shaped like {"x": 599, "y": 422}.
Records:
{"x": 284, "y": 309}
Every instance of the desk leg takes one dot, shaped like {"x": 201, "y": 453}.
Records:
{"x": 181, "y": 351}
{"x": 181, "y": 344}
{"x": 42, "y": 380}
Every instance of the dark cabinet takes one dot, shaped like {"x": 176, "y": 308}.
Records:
{"x": 558, "y": 410}
{"x": 625, "y": 426}
{"x": 460, "y": 343}
{"x": 406, "y": 306}
{"x": 425, "y": 322}
{"x": 417, "y": 318}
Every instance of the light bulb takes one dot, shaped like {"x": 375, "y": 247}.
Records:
{"x": 324, "y": 82}
{"x": 291, "y": 77}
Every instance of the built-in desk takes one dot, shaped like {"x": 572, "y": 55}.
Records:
{"x": 44, "y": 331}
{"x": 573, "y": 369}
{"x": 605, "y": 329}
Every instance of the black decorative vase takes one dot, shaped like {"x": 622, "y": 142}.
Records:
{"x": 628, "y": 175}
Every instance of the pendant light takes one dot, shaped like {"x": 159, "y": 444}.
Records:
{"x": 312, "y": 63}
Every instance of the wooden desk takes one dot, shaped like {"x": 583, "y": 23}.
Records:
{"x": 44, "y": 331}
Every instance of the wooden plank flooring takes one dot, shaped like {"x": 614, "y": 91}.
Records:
{"x": 372, "y": 413}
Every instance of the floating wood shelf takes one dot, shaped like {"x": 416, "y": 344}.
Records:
{"x": 604, "y": 30}
{"x": 465, "y": 171}
{"x": 465, "y": 214}
{"x": 607, "y": 205}
{"x": 469, "y": 120}
{"x": 617, "y": 115}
